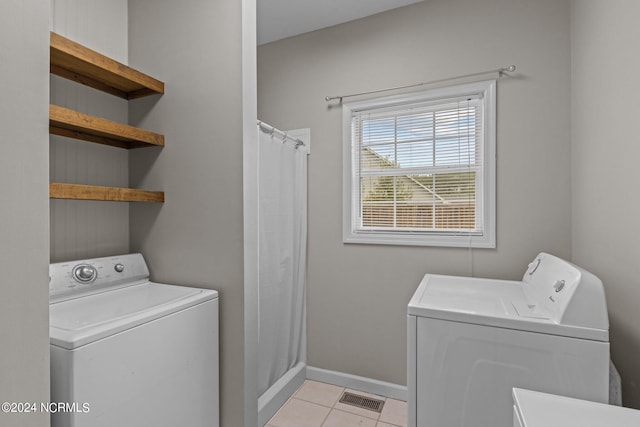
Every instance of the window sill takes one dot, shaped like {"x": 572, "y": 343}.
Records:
{"x": 462, "y": 241}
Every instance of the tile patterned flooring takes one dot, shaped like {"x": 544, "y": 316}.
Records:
{"x": 315, "y": 404}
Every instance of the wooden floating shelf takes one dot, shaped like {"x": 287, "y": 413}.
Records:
{"x": 58, "y": 190}
{"x": 75, "y": 62}
{"x": 72, "y": 124}
{"x": 88, "y": 67}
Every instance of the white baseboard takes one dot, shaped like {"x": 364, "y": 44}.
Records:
{"x": 272, "y": 399}
{"x": 356, "y": 382}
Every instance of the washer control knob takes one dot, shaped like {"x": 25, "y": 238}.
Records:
{"x": 559, "y": 285}
{"x": 533, "y": 266}
{"x": 119, "y": 268}
{"x": 84, "y": 273}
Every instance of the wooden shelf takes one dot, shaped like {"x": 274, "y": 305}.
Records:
{"x": 88, "y": 67}
{"x": 58, "y": 190}
{"x": 72, "y": 124}
{"x": 83, "y": 65}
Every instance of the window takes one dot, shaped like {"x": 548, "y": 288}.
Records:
{"x": 419, "y": 169}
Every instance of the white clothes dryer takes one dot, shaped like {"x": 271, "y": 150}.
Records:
{"x": 471, "y": 340}
{"x": 128, "y": 352}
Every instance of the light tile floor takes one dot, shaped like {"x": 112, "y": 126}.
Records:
{"x": 315, "y": 404}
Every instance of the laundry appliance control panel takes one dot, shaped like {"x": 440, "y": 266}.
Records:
{"x": 72, "y": 279}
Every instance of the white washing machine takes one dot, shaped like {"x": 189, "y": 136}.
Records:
{"x": 535, "y": 409}
{"x": 128, "y": 352}
{"x": 471, "y": 340}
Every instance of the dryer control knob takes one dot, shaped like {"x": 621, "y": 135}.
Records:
{"x": 559, "y": 285}
{"x": 85, "y": 273}
{"x": 119, "y": 267}
{"x": 533, "y": 266}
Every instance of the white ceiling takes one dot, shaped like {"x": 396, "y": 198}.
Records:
{"x": 278, "y": 19}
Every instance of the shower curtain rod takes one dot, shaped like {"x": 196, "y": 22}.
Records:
{"x": 500, "y": 71}
{"x": 271, "y": 130}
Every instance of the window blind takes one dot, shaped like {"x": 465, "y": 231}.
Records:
{"x": 419, "y": 168}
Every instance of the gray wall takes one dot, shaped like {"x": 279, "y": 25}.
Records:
{"x": 357, "y": 294}
{"x": 250, "y": 211}
{"x": 81, "y": 228}
{"x": 605, "y": 150}
{"x": 24, "y": 230}
{"x": 195, "y": 237}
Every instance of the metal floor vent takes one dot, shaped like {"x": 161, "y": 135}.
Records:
{"x": 362, "y": 401}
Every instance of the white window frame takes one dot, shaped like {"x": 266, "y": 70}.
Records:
{"x": 351, "y": 205}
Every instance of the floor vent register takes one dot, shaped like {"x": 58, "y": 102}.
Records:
{"x": 362, "y": 401}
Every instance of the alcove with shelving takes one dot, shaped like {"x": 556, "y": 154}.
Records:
{"x": 73, "y": 61}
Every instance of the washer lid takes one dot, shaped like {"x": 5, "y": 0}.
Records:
{"x": 80, "y": 321}
{"x": 499, "y": 303}
{"x": 537, "y": 409}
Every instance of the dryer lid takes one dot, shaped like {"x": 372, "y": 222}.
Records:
{"x": 79, "y": 321}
